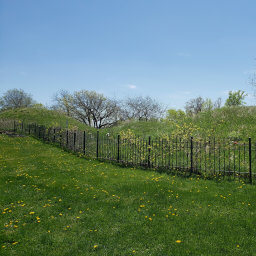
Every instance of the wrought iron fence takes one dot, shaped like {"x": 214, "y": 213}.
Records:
{"x": 206, "y": 157}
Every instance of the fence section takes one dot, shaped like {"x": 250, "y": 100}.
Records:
{"x": 208, "y": 157}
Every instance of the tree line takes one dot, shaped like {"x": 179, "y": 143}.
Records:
{"x": 99, "y": 111}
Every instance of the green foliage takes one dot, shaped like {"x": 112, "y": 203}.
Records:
{"x": 55, "y": 203}
{"x": 208, "y": 105}
{"x": 235, "y": 98}
{"x": 219, "y": 123}
{"x": 175, "y": 115}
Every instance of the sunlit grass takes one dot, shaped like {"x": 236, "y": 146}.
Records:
{"x": 43, "y": 116}
{"x": 55, "y": 203}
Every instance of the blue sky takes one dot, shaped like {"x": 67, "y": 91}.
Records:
{"x": 170, "y": 50}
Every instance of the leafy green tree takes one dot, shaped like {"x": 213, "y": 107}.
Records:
{"x": 175, "y": 115}
{"x": 235, "y": 98}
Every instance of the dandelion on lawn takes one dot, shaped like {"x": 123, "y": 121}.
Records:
{"x": 31, "y": 213}
{"x": 178, "y": 241}
{"x": 237, "y": 246}
{"x": 95, "y": 246}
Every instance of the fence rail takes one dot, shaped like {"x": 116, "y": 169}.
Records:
{"x": 208, "y": 157}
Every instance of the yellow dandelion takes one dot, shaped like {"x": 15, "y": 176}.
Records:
{"x": 178, "y": 241}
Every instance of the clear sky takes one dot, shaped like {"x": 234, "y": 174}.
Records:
{"x": 170, "y": 50}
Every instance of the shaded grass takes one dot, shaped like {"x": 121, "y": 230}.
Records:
{"x": 55, "y": 203}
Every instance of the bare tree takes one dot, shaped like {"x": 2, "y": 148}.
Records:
{"x": 63, "y": 101}
{"x": 218, "y": 103}
{"x": 95, "y": 109}
{"x": 16, "y": 98}
{"x": 194, "y": 106}
{"x": 143, "y": 108}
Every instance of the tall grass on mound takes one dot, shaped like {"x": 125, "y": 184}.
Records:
{"x": 43, "y": 116}
{"x": 235, "y": 123}
{"x": 55, "y": 203}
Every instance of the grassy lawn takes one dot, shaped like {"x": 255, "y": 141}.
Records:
{"x": 55, "y": 203}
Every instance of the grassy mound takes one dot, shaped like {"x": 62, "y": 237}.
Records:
{"x": 43, "y": 116}
{"x": 236, "y": 123}
{"x": 54, "y": 203}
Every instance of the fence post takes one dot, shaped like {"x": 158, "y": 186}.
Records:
{"x": 29, "y": 129}
{"x": 84, "y": 143}
{"x": 54, "y": 134}
{"x": 250, "y": 160}
{"x": 118, "y": 148}
{"x": 74, "y": 141}
{"x": 48, "y": 134}
{"x": 43, "y": 133}
{"x": 191, "y": 155}
{"x": 14, "y": 126}
{"x": 97, "y": 145}
{"x": 149, "y": 149}
{"x": 22, "y": 127}
{"x": 67, "y": 139}
{"x": 60, "y": 137}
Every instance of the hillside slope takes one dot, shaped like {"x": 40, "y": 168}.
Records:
{"x": 236, "y": 123}
{"x": 43, "y": 116}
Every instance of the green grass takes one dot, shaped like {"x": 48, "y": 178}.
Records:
{"x": 236, "y": 123}
{"x": 55, "y": 203}
{"x": 43, "y": 116}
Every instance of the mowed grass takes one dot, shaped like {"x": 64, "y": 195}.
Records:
{"x": 55, "y": 203}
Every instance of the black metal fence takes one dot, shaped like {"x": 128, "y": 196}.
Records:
{"x": 206, "y": 157}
